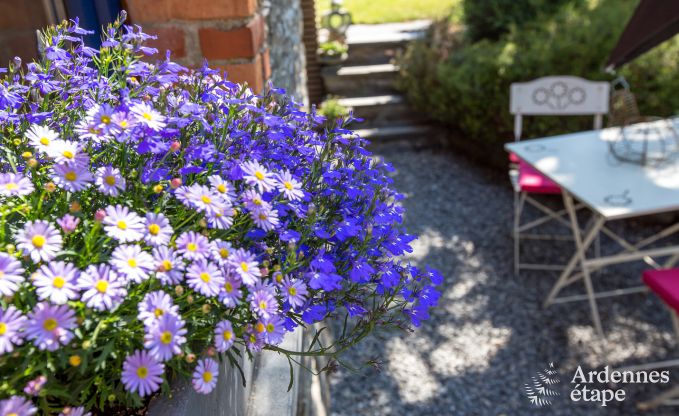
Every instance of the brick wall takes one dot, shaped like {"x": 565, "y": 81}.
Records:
{"x": 18, "y": 21}
{"x": 231, "y": 34}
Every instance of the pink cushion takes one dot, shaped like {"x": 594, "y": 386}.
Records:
{"x": 665, "y": 284}
{"x": 532, "y": 181}
{"x": 514, "y": 158}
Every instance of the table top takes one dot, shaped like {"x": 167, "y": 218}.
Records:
{"x": 582, "y": 164}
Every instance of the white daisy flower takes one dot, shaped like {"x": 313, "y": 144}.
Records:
{"x": 40, "y": 239}
{"x": 64, "y": 151}
{"x": 122, "y": 224}
{"x": 257, "y": 175}
{"x": 131, "y": 262}
{"x": 41, "y": 137}
{"x": 147, "y": 115}
{"x": 56, "y": 282}
{"x": 109, "y": 181}
{"x": 158, "y": 229}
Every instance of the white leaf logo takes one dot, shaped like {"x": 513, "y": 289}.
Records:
{"x": 538, "y": 391}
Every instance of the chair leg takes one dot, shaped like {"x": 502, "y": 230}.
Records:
{"x": 519, "y": 198}
{"x": 675, "y": 323}
{"x": 660, "y": 399}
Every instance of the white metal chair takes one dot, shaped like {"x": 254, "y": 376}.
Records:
{"x": 554, "y": 96}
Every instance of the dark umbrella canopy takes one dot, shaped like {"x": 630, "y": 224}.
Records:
{"x": 653, "y": 22}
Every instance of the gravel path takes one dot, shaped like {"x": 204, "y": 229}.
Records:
{"x": 490, "y": 334}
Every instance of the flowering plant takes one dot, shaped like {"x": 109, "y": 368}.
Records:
{"x": 155, "y": 219}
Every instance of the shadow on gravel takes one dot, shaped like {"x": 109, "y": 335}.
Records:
{"x": 490, "y": 333}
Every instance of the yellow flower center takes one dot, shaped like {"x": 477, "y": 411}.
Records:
{"x": 260, "y": 327}
{"x": 262, "y": 305}
{"x": 259, "y": 175}
{"x": 132, "y": 262}
{"x": 2, "y": 274}
{"x": 38, "y": 240}
{"x": 74, "y": 360}
{"x": 154, "y": 229}
{"x": 221, "y": 188}
{"x": 110, "y": 180}
{"x": 3, "y": 328}
{"x": 224, "y": 253}
{"x": 58, "y": 282}
{"x": 68, "y": 154}
{"x": 147, "y": 116}
{"x": 11, "y": 186}
{"x": 227, "y": 335}
{"x": 166, "y": 337}
{"x": 167, "y": 265}
{"x": 292, "y": 291}
{"x": 122, "y": 225}
{"x": 206, "y": 199}
{"x": 142, "y": 372}
{"x": 270, "y": 328}
{"x": 262, "y": 216}
{"x": 257, "y": 201}
{"x": 105, "y": 119}
{"x": 192, "y": 247}
{"x": 44, "y": 141}
{"x": 101, "y": 286}
{"x": 13, "y": 414}
{"x": 123, "y": 123}
{"x": 228, "y": 287}
{"x": 70, "y": 176}
{"x": 50, "y": 324}
{"x": 287, "y": 185}
{"x": 158, "y": 312}
{"x": 244, "y": 266}
{"x": 207, "y": 376}
{"x": 205, "y": 277}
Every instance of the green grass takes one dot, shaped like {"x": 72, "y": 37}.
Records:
{"x": 386, "y": 11}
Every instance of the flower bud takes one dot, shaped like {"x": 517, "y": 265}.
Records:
{"x": 190, "y": 358}
{"x": 158, "y": 188}
{"x": 27, "y": 155}
{"x": 211, "y": 351}
{"x": 10, "y": 248}
{"x": 264, "y": 271}
{"x": 202, "y": 223}
{"x": 175, "y": 183}
{"x": 206, "y": 308}
{"x": 74, "y": 360}
{"x": 50, "y": 187}
{"x": 99, "y": 215}
{"x": 75, "y": 207}
{"x": 175, "y": 146}
{"x": 87, "y": 344}
{"x": 111, "y": 397}
{"x": 179, "y": 290}
{"x": 16, "y": 142}
{"x": 32, "y": 163}
{"x": 189, "y": 299}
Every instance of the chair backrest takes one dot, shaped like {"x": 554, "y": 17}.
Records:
{"x": 558, "y": 95}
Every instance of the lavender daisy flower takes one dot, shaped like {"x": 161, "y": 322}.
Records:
{"x": 230, "y": 294}
{"x": 253, "y": 200}
{"x": 294, "y": 291}
{"x": 289, "y": 186}
{"x": 33, "y": 387}
{"x": 220, "y": 251}
{"x": 40, "y": 240}
{"x": 154, "y": 306}
{"x": 222, "y": 186}
{"x": 254, "y": 341}
{"x": 122, "y": 224}
{"x": 56, "y": 282}
{"x": 245, "y": 265}
{"x": 101, "y": 115}
{"x": 68, "y": 223}
{"x": 273, "y": 329}
{"x": 71, "y": 177}
{"x": 159, "y": 230}
{"x": 15, "y": 184}
{"x": 17, "y": 405}
{"x": 165, "y": 336}
{"x": 265, "y": 218}
{"x": 205, "y": 376}
{"x": 263, "y": 301}
{"x": 12, "y": 323}
{"x": 41, "y": 137}
{"x": 103, "y": 289}
{"x": 64, "y": 151}
{"x": 204, "y": 277}
{"x": 141, "y": 373}
{"x": 258, "y": 176}
{"x": 221, "y": 220}
{"x": 131, "y": 262}
{"x": 224, "y": 336}
{"x": 11, "y": 274}
{"x": 49, "y": 326}
{"x": 146, "y": 115}
{"x": 192, "y": 245}
{"x": 74, "y": 411}
{"x": 109, "y": 181}
{"x": 169, "y": 268}
{"x": 200, "y": 197}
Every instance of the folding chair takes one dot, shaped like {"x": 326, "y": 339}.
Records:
{"x": 555, "y": 96}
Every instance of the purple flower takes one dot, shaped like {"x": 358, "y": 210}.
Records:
{"x": 244, "y": 264}
{"x": 109, "y": 181}
{"x": 165, "y": 336}
{"x": 265, "y": 218}
{"x": 40, "y": 240}
{"x": 193, "y": 246}
{"x": 263, "y": 301}
{"x": 34, "y": 386}
{"x": 103, "y": 290}
{"x": 12, "y": 323}
{"x": 131, "y": 262}
{"x": 158, "y": 229}
{"x": 273, "y": 329}
{"x": 68, "y": 223}
{"x": 56, "y": 282}
{"x": 74, "y": 411}
{"x": 50, "y": 326}
{"x": 11, "y": 274}
{"x": 141, "y": 373}
{"x": 154, "y": 306}
{"x": 289, "y": 186}
{"x": 224, "y": 336}
{"x": 71, "y": 177}
{"x": 258, "y": 176}
{"x": 17, "y": 405}
{"x": 294, "y": 291}
{"x": 205, "y": 376}
{"x": 169, "y": 268}
{"x": 122, "y": 224}
{"x": 231, "y": 294}
{"x": 15, "y": 184}
{"x": 146, "y": 115}
{"x": 205, "y": 278}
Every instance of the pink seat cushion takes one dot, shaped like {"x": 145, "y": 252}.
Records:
{"x": 532, "y": 181}
{"x": 665, "y": 284}
{"x": 514, "y": 158}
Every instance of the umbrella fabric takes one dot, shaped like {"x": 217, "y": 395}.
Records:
{"x": 653, "y": 22}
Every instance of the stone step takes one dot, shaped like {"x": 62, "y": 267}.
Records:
{"x": 380, "y": 110}
{"x": 406, "y": 131}
{"x": 359, "y": 79}
{"x": 378, "y": 44}
{"x": 375, "y": 52}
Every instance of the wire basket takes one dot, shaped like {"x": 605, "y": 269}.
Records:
{"x": 645, "y": 141}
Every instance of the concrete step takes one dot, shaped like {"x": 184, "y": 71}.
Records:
{"x": 400, "y": 132}
{"x": 381, "y": 110}
{"x": 374, "y": 53}
{"x": 379, "y": 44}
{"x": 359, "y": 79}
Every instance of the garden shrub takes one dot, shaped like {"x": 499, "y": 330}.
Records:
{"x": 156, "y": 219}
{"x": 466, "y": 85}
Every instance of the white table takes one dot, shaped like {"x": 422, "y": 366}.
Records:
{"x": 582, "y": 165}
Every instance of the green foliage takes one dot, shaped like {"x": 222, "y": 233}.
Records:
{"x": 384, "y": 11}
{"x": 466, "y": 86}
{"x": 334, "y": 48}
{"x": 331, "y": 109}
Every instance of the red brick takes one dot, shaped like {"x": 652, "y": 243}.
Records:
{"x": 243, "y": 42}
{"x": 171, "y": 38}
{"x": 22, "y": 14}
{"x": 153, "y": 11}
{"x": 266, "y": 65}
{"x": 250, "y": 72}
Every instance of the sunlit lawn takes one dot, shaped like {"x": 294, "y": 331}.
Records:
{"x": 384, "y": 11}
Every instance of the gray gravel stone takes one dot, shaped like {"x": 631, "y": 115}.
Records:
{"x": 490, "y": 334}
